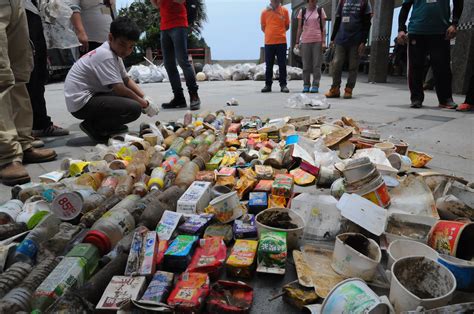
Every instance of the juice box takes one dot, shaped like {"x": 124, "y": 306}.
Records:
{"x": 168, "y": 223}
{"x": 272, "y": 252}
{"x": 121, "y": 288}
{"x": 241, "y": 262}
{"x": 283, "y": 185}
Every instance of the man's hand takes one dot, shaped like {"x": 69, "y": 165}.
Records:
{"x": 451, "y": 32}
{"x": 361, "y": 49}
{"x": 324, "y": 46}
{"x": 402, "y": 38}
{"x": 84, "y": 40}
{"x": 152, "y": 109}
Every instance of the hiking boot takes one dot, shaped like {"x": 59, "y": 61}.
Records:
{"x": 417, "y": 104}
{"x": 52, "y": 130}
{"x": 284, "y": 89}
{"x": 178, "y": 101}
{"x": 334, "y": 92}
{"x": 195, "y": 102}
{"x": 14, "y": 173}
{"x": 465, "y": 107}
{"x": 95, "y": 135}
{"x": 267, "y": 89}
{"x": 347, "y": 93}
{"x": 450, "y": 104}
{"x": 37, "y": 143}
{"x": 35, "y": 155}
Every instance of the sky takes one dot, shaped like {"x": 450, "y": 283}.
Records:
{"x": 233, "y": 28}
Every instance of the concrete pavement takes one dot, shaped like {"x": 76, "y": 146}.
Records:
{"x": 447, "y": 135}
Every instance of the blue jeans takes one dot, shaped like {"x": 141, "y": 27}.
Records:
{"x": 279, "y": 51}
{"x": 174, "y": 45}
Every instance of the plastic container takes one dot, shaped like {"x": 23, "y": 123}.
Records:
{"x": 187, "y": 175}
{"x": 108, "y": 186}
{"x": 125, "y": 186}
{"x": 110, "y": 229}
{"x": 156, "y": 160}
{"x": 92, "y": 180}
{"x": 403, "y": 248}
{"x": 292, "y": 235}
{"x": 67, "y": 206}
{"x": 180, "y": 164}
{"x": 9, "y": 211}
{"x": 136, "y": 169}
{"x": 141, "y": 186}
{"x": 420, "y": 281}
{"x": 26, "y": 251}
{"x": 461, "y": 269}
{"x": 157, "y": 179}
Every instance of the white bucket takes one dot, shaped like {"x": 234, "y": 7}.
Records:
{"x": 403, "y": 248}
{"x": 353, "y": 296}
{"x": 349, "y": 262}
{"x": 432, "y": 282}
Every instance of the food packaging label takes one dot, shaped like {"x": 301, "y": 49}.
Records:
{"x": 120, "y": 289}
{"x": 168, "y": 223}
{"x": 195, "y": 199}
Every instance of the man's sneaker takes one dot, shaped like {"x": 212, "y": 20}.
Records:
{"x": 37, "y": 143}
{"x": 14, "y": 173}
{"x": 465, "y": 107}
{"x": 284, "y": 89}
{"x": 347, "y": 93}
{"x": 195, "y": 103}
{"x": 314, "y": 90}
{"x": 97, "y": 136}
{"x": 52, "y": 130}
{"x": 305, "y": 89}
{"x": 267, "y": 89}
{"x": 178, "y": 101}
{"x": 35, "y": 155}
{"x": 417, "y": 104}
{"x": 334, "y": 92}
{"x": 450, "y": 104}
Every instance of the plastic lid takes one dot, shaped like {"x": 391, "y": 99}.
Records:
{"x": 67, "y": 206}
{"x": 99, "y": 240}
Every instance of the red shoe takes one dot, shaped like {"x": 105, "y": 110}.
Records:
{"x": 465, "y": 107}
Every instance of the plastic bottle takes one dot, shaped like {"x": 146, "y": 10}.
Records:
{"x": 169, "y": 140}
{"x": 12, "y": 229}
{"x": 108, "y": 186}
{"x": 169, "y": 163}
{"x": 9, "y": 211}
{"x": 180, "y": 164}
{"x": 136, "y": 169}
{"x": 156, "y": 160}
{"x": 108, "y": 230}
{"x": 13, "y": 276}
{"x": 125, "y": 186}
{"x": 187, "y": 175}
{"x": 198, "y": 140}
{"x": 188, "y": 118}
{"x": 97, "y": 166}
{"x": 140, "y": 187}
{"x": 215, "y": 147}
{"x": 175, "y": 147}
{"x": 211, "y": 138}
{"x": 72, "y": 271}
{"x": 187, "y": 151}
{"x": 88, "y": 219}
{"x": 67, "y": 206}
{"x": 26, "y": 251}
{"x": 157, "y": 179}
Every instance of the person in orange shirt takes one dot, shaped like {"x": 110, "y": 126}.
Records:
{"x": 275, "y": 22}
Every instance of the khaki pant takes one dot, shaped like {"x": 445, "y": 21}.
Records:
{"x": 16, "y": 64}
{"x": 312, "y": 54}
{"x": 338, "y": 63}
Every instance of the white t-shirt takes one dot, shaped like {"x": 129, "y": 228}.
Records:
{"x": 92, "y": 74}
{"x": 95, "y": 16}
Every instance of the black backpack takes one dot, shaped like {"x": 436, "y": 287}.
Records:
{"x": 303, "y": 15}
{"x": 191, "y": 8}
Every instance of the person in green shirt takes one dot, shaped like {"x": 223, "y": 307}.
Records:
{"x": 429, "y": 33}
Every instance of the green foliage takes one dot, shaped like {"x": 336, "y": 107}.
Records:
{"x": 148, "y": 19}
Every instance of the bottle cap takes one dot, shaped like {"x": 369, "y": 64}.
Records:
{"x": 100, "y": 240}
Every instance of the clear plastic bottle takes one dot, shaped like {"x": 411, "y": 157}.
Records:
{"x": 187, "y": 175}
{"x": 26, "y": 251}
{"x": 9, "y": 211}
{"x": 136, "y": 169}
{"x": 92, "y": 180}
{"x": 176, "y": 146}
{"x": 125, "y": 186}
{"x": 180, "y": 164}
{"x": 156, "y": 160}
{"x": 187, "y": 151}
{"x": 169, "y": 162}
{"x": 140, "y": 187}
{"x": 188, "y": 118}
{"x": 169, "y": 140}
{"x": 211, "y": 138}
{"x": 108, "y": 186}
{"x": 109, "y": 229}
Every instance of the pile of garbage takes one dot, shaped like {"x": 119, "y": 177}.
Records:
{"x": 212, "y": 72}
{"x": 155, "y": 220}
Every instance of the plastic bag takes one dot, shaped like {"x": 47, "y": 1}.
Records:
{"x": 146, "y": 74}
{"x": 323, "y": 156}
{"x": 294, "y": 73}
{"x": 214, "y": 72}
{"x": 301, "y": 101}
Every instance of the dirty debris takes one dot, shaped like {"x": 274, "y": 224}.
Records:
{"x": 156, "y": 219}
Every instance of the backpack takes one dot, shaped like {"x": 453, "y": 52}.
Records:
{"x": 303, "y": 15}
{"x": 191, "y": 9}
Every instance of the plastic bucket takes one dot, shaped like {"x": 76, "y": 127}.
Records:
{"x": 420, "y": 281}
{"x": 400, "y": 162}
{"x": 358, "y": 169}
{"x": 403, "y": 248}
{"x": 356, "y": 256}
{"x": 376, "y": 191}
{"x": 453, "y": 238}
{"x": 461, "y": 269}
{"x": 353, "y": 296}
{"x": 292, "y": 235}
